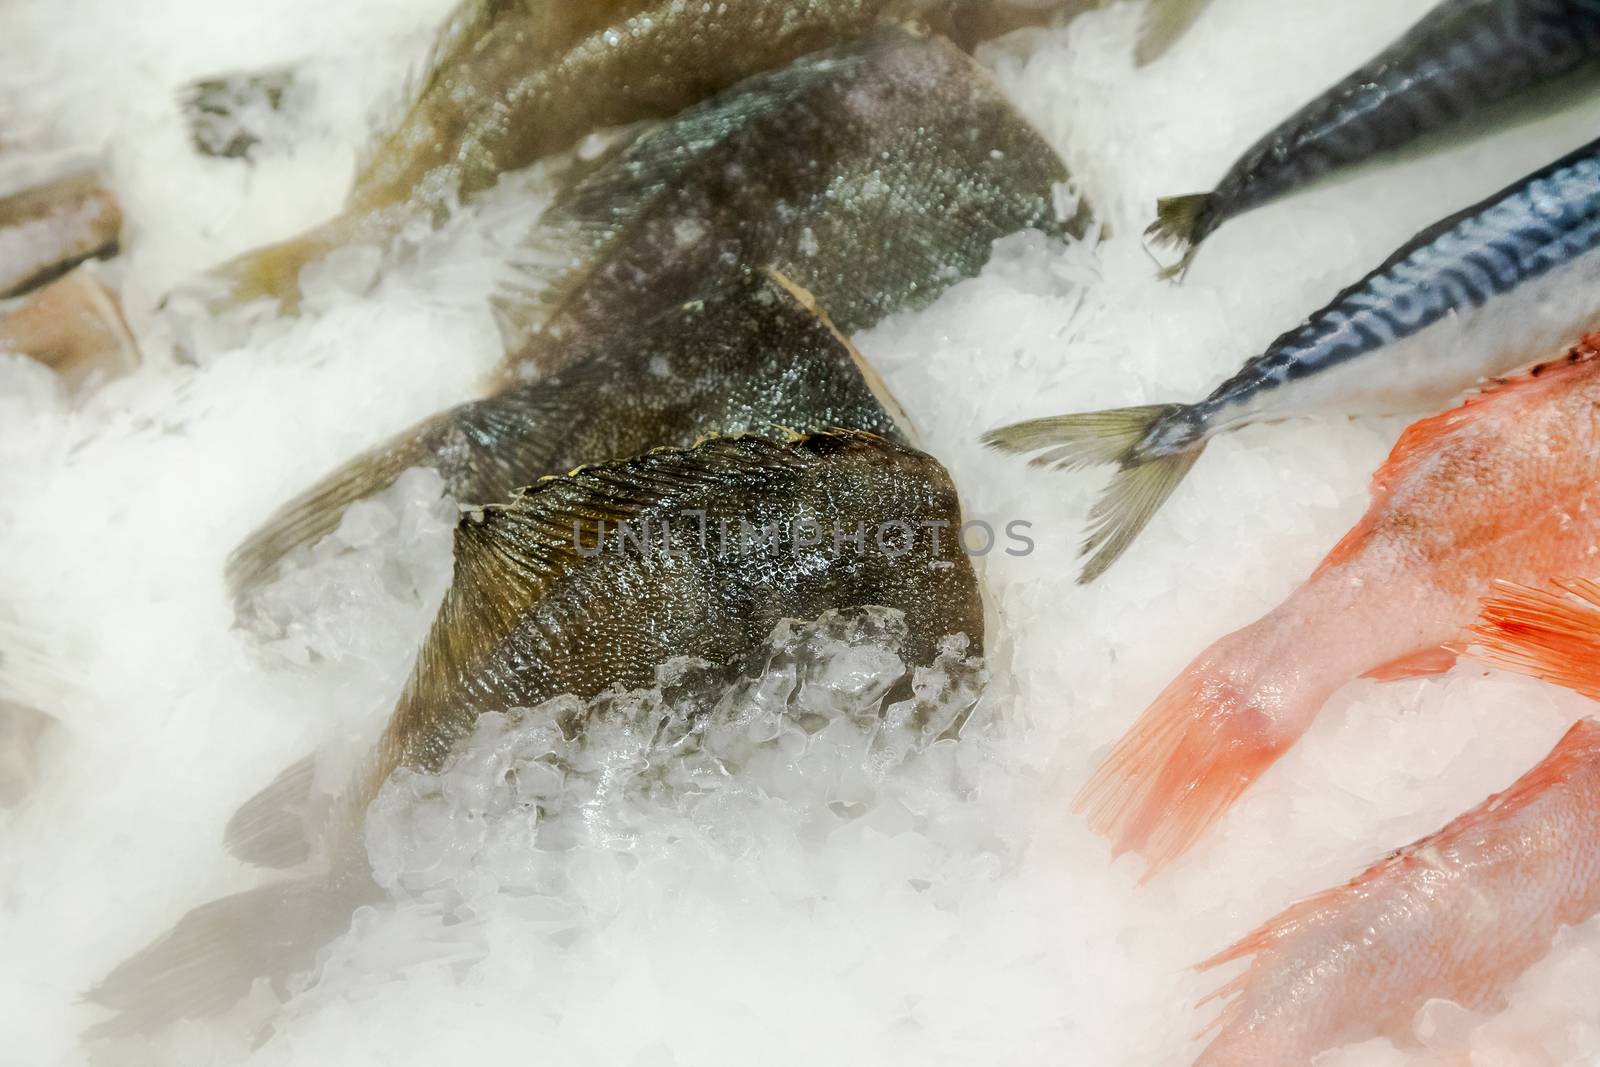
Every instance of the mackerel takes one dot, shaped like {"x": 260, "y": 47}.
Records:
{"x": 1492, "y": 288}
{"x": 1462, "y": 60}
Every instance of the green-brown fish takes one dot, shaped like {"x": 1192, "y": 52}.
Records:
{"x": 874, "y": 175}
{"x": 512, "y": 82}
{"x": 751, "y": 357}
{"x": 586, "y": 583}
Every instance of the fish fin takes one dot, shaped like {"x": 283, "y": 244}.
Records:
{"x": 1554, "y": 636}
{"x": 1429, "y": 661}
{"x": 1135, "y": 494}
{"x": 209, "y": 960}
{"x": 1164, "y": 22}
{"x": 1185, "y": 761}
{"x": 222, "y": 111}
{"x": 272, "y": 829}
{"x": 316, "y": 513}
{"x": 1182, "y": 222}
{"x": 1145, "y": 481}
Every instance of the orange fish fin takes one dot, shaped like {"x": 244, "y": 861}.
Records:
{"x": 1182, "y": 765}
{"x": 1421, "y": 664}
{"x": 1553, "y": 635}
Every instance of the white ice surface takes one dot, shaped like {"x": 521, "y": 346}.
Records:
{"x": 985, "y": 926}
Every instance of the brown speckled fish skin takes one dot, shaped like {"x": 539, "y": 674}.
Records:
{"x": 47, "y": 230}
{"x": 752, "y": 357}
{"x": 523, "y": 620}
{"x": 516, "y": 82}
{"x": 875, "y": 175}
{"x": 528, "y": 618}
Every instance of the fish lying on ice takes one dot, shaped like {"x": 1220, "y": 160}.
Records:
{"x": 1506, "y": 486}
{"x": 875, "y": 175}
{"x": 551, "y": 596}
{"x": 47, "y": 230}
{"x": 1164, "y": 23}
{"x": 1501, "y": 284}
{"x": 1455, "y": 916}
{"x": 511, "y": 83}
{"x": 751, "y": 357}
{"x": 75, "y": 327}
{"x": 1450, "y": 70}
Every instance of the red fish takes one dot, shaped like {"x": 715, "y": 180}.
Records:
{"x": 1505, "y": 486}
{"x": 1455, "y": 916}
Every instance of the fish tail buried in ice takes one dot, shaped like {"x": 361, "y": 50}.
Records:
{"x": 750, "y": 357}
{"x": 511, "y": 83}
{"x": 1506, "y": 486}
{"x": 875, "y": 175}
{"x": 1455, "y": 916}
{"x": 1460, "y": 66}
{"x": 1493, "y": 288}
{"x": 583, "y": 584}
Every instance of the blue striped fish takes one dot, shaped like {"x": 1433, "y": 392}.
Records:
{"x": 1462, "y": 60}
{"x": 1485, "y": 291}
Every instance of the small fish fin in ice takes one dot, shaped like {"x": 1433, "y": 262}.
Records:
{"x": 1186, "y": 760}
{"x": 1154, "y": 446}
{"x": 273, "y": 828}
{"x": 215, "y": 953}
{"x": 1164, "y": 22}
{"x": 1421, "y": 664}
{"x": 1182, "y": 222}
{"x": 1553, "y": 635}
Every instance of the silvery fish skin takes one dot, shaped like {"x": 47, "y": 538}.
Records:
{"x": 874, "y": 175}
{"x": 512, "y": 82}
{"x": 47, "y": 230}
{"x": 540, "y": 607}
{"x": 749, "y": 358}
{"x": 1495, "y": 287}
{"x": 1461, "y": 61}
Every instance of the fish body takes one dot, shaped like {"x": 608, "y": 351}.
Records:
{"x": 550, "y": 596}
{"x": 1490, "y": 289}
{"x": 1506, "y": 486}
{"x": 874, "y": 175}
{"x": 48, "y": 230}
{"x": 750, "y": 358}
{"x": 1462, "y": 60}
{"x": 1455, "y": 916}
{"x": 512, "y": 83}
{"x": 74, "y": 326}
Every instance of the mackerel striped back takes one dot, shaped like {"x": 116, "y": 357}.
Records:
{"x": 1538, "y": 225}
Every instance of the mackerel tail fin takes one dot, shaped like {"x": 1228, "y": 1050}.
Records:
{"x": 1148, "y": 472}
{"x": 1182, "y": 222}
{"x": 211, "y": 958}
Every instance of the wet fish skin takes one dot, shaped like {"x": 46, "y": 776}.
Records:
{"x": 1505, "y": 487}
{"x": 1455, "y": 916}
{"x": 49, "y": 229}
{"x": 1503, "y": 283}
{"x": 1463, "y": 59}
{"x": 874, "y": 175}
{"x": 529, "y": 617}
{"x": 512, "y": 84}
{"x": 752, "y": 357}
